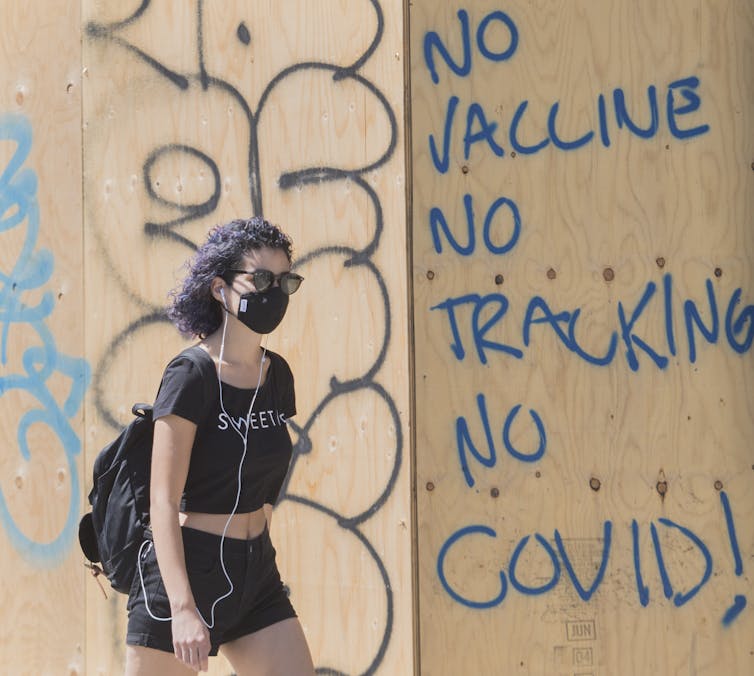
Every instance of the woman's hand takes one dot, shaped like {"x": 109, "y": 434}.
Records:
{"x": 191, "y": 639}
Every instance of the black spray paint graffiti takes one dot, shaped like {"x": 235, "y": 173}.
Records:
{"x": 112, "y": 34}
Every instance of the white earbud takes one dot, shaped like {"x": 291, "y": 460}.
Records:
{"x": 222, "y": 295}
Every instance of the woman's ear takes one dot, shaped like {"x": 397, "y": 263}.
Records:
{"x": 218, "y": 291}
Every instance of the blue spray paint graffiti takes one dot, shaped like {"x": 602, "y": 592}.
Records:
{"x": 32, "y": 269}
{"x": 681, "y": 98}
{"x": 478, "y": 129}
{"x": 481, "y": 326}
{"x": 500, "y": 587}
{"x": 738, "y": 324}
{"x": 464, "y": 440}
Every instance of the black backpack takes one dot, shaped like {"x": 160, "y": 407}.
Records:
{"x": 113, "y": 531}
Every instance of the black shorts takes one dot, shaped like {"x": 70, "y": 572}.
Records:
{"x": 258, "y": 599}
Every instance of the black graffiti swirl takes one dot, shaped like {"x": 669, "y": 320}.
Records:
{"x": 112, "y": 33}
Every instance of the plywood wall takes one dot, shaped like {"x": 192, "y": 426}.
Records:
{"x": 136, "y": 127}
{"x": 583, "y": 202}
{"x": 578, "y": 306}
{"x": 195, "y": 113}
{"x": 44, "y": 373}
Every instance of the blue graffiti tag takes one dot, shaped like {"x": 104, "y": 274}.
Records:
{"x": 681, "y": 98}
{"x": 737, "y": 325}
{"x": 464, "y": 440}
{"x": 33, "y": 269}
{"x": 558, "y": 557}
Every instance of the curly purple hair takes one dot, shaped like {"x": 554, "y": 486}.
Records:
{"x": 193, "y": 309}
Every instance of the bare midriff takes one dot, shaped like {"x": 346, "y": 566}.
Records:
{"x": 242, "y": 526}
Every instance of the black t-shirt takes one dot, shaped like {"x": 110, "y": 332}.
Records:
{"x": 212, "y": 481}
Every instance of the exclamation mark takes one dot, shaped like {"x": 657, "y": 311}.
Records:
{"x": 739, "y": 601}
{"x": 640, "y": 586}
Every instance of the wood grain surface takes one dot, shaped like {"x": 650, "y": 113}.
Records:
{"x": 582, "y": 237}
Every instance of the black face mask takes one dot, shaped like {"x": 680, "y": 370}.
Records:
{"x": 262, "y": 312}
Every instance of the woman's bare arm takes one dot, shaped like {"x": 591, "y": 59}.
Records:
{"x": 171, "y": 454}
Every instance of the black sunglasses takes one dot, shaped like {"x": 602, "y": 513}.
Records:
{"x": 264, "y": 279}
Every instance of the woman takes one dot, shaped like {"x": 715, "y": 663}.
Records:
{"x": 207, "y": 579}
